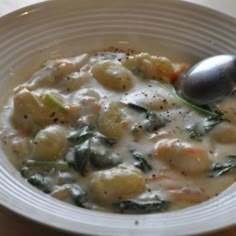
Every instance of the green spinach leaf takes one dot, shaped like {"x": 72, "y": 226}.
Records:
{"x": 219, "y": 169}
{"x": 141, "y": 205}
{"x": 201, "y": 128}
{"x": 40, "y": 182}
{"x": 86, "y": 132}
{"x": 78, "y": 196}
{"x": 140, "y": 161}
{"x": 81, "y": 157}
{"x": 152, "y": 121}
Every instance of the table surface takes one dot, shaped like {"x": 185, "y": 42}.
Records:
{"x": 14, "y": 225}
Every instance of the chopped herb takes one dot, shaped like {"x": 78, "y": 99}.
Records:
{"x": 141, "y": 205}
{"x": 53, "y": 102}
{"x": 140, "y": 161}
{"x": 219, "y": 169}
{"x": 204, "y": 110}
{"x": 40, "y": 182}
{"x": 137, "y": 129}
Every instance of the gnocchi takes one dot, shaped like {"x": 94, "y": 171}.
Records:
{"x": 54, "y": 71}
{"x": 50, "y": 143}
{"x": 106, "y": 131}
{"x": 25, "y": 115}
{"x": 224, "y": 133}
{"x": 184, "y": 156}
{"x": 113, "y": 75}
{"x": 158, "y": 68}
{"x": 115, "y": 184}
{"x": 110, "y": 121}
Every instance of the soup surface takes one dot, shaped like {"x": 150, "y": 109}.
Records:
{"x": 106, "y": 131}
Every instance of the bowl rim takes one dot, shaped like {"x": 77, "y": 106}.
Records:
{"x": 9, "y": 203}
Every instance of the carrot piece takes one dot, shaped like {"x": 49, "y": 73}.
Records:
{"x": 175, "y": 75}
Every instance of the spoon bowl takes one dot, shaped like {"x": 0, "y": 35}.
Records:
{"x": 209, "y": 80}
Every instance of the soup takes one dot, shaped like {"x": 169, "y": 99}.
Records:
{"x": 106, "y": 131}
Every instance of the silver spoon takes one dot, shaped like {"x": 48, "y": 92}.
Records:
{"x": 208, "y": 81}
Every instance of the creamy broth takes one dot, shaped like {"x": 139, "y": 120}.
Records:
{"x": 106, "y": 131}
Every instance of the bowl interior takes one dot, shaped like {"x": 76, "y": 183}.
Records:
{"x": 181, "y": 31}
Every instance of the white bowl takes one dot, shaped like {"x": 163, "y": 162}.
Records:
{"x": 176, "y": 29}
